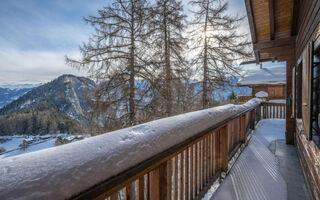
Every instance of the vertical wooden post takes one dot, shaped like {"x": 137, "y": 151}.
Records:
{"x": 243, "y": 129}
{"x": 114, "y": 196}
{"x": 191, "y": 172}
{"x": 158, "y": 182}
{"x": 223, "y": 143}
{"x": 169, "y": 180}
{"x": 140, "y": 189}
{"x": 196, "y": 162}
{"x": 128, "y": 192}
{"x": 186, "y": 174}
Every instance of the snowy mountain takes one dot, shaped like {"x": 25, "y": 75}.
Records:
{"x": 61, "y": 105}
{"x": 9, "y": 93}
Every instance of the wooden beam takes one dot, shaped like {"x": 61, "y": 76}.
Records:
{"x": 274, "y": 43}
{"x": 295, "y": 17}
{"x": 251, "y": 20}
{"x": 256, "y": 54}
{"x": 271, "y": 18}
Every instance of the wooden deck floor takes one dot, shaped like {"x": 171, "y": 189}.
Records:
{"x": 266, "y": 169}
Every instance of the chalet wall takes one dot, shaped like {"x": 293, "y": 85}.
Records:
{"x": 309, "y": 153}
{"x": 274, "y": 91}
{"x": 308, "y": 21}
{"x": 309, "y": 160}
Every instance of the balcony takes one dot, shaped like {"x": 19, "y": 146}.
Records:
{"x": 180, "y": 157}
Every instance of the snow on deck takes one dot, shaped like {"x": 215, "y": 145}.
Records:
{"x": 256, "y": 174}
{"x": 60, "y": 172}
{"x": 264, "y": 76}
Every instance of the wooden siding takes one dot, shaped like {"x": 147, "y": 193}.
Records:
{"x": 309, "y": 155}
{"x": 274, "y": 91}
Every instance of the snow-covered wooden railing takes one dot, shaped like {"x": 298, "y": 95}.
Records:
{"x": 273, "y": 110}
{"x": 171, "y": 158}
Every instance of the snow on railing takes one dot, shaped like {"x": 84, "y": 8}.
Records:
{"x": 65, "y": 171}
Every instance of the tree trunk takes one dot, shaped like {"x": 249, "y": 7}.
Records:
{"x": 168, "y": 93}
{"x": 205, "y": 66}
{"x": 132, "y": 72}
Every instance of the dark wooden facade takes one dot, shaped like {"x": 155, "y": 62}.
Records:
{"x": 274, "y": 91}
{"x": 288, "y": 30}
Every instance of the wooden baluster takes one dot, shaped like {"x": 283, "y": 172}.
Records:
{"x": 242, "y": 129}
{"x": 208, "y": 158}
{"x": 223, "y": 148}
{"x": 114, "y": 196}
{"x": 128, "y": 192}
{"x": 191, "y": 172}
{"x": 196, "y": 160}
{"x": 140, "y": 188}
{"x": 211, "y": 155}
{"x": 175, "y": 178}
{"x": 169, "y": 179}
{"x": 202, "y": 163}
{"x": 158, "y": 182}
{"x": 148, "y": 186}
{"x": 186, "y": 174}
{"x": 213, "y": 152}
{"x": 181, "y": 176}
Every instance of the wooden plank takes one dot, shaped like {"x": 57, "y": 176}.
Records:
{"x": 208, "y": 158}
{"x": 128, "y": 192}
{"x": 186, "y": 175}
{"x": 141, "y": 188}
{"x": 192, "y": 172}
{"x": 243, "y": 129}
{"x": 275, "y": 43}
{"x": 148, "y": 186}
{"x": 223, "y": 148}
{"x": 271, "y": 18}
{"x": 158, "y": 183}
{"x": 181, "y": 176}
{"x": 251, "y": 21}
{"x": 196, "y": 160}
{"x": 295, "y": 15}
{"x": 114, "y": 196}
{"x": 175, "y": 178}
{"x": 169, "y": 179}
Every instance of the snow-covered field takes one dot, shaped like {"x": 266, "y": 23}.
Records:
{"x": 20, "y": 144}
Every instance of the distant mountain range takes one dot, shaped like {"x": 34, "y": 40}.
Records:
{"x": 9, "y": 93}
{"x": 61, "y": 105}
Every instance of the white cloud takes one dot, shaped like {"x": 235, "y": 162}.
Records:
{"x": 20, "y": 66}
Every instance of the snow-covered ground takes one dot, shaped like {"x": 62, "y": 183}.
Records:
{"x": 256, "y": 174}
{"x": 13, "y": 145}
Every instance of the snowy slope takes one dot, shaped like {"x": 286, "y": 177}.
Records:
{"x": 272, "y": 75}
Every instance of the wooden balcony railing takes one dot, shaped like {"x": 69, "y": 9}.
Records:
{"x": 184, "y": 170}
{"x": 273, "y": 110}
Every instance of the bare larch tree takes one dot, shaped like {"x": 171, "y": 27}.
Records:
{"x": 114, "y": 54}
{"x": 217, "y": 44}
{"x": 168, "y": 45}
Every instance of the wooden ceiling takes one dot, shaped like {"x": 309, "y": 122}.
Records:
{"x": 272, "y": 26}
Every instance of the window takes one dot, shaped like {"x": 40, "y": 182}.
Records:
{"x": 298, "y": 91}
{"x": 315, "y": 94}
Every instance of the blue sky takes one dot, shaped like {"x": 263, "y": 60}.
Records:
{"x": 36, "y": 35}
